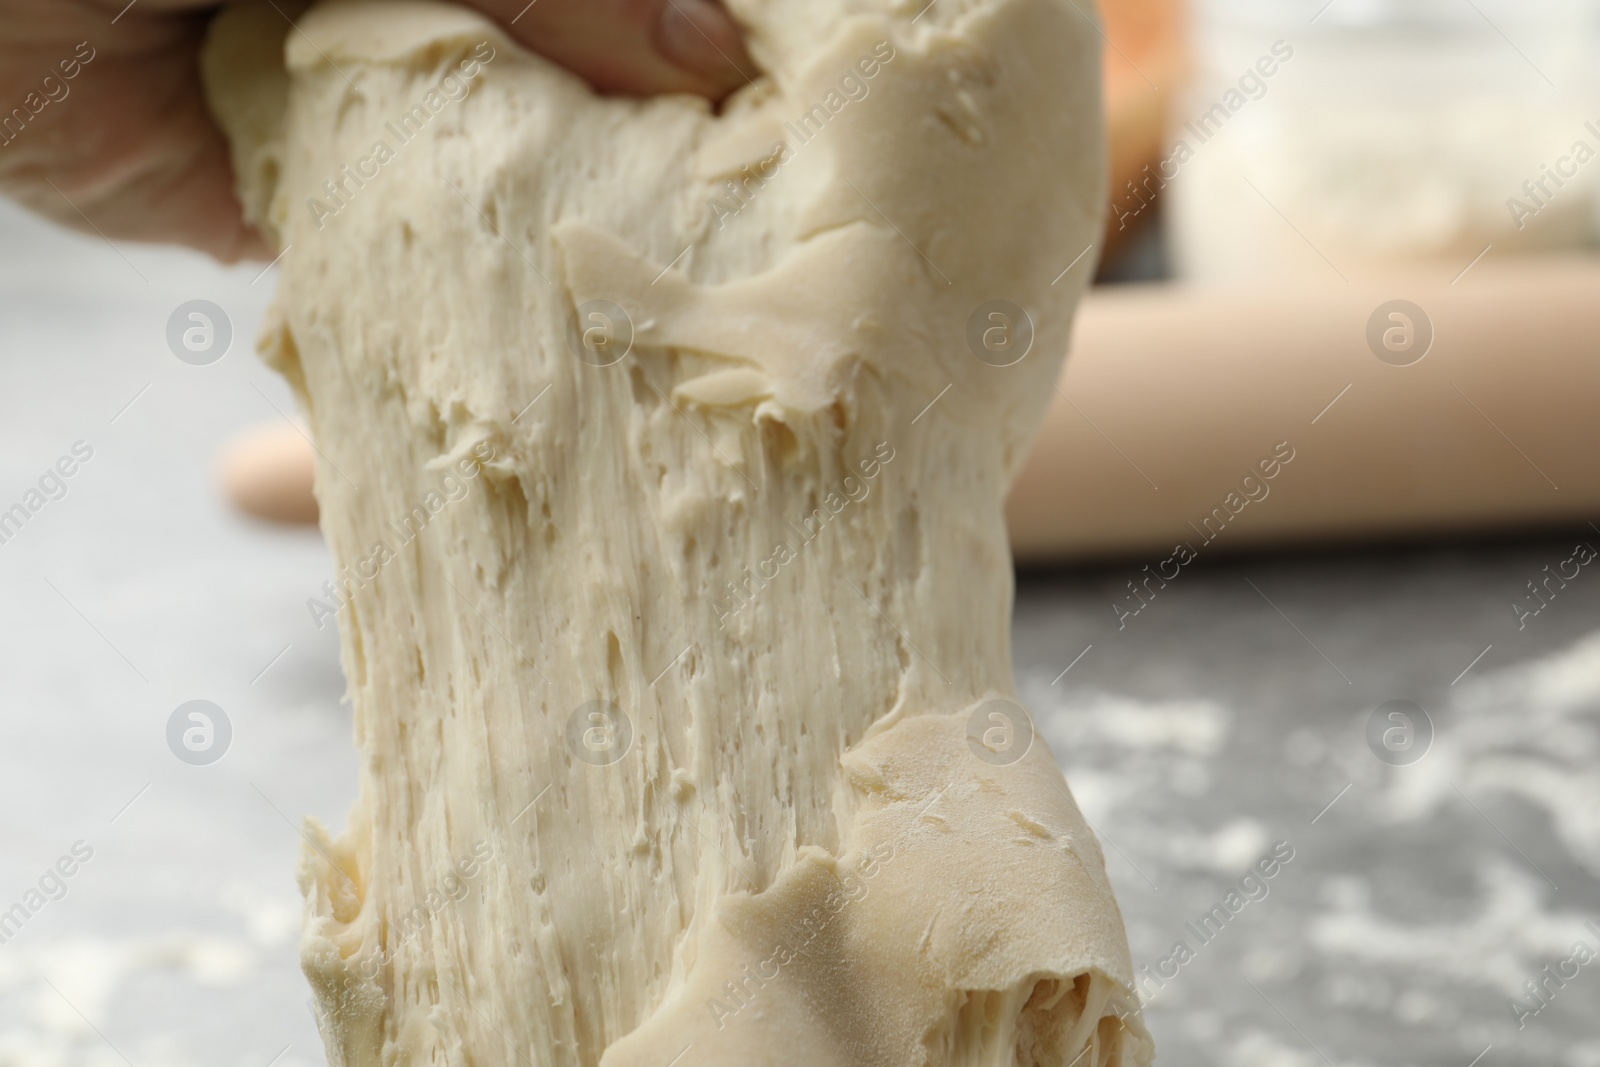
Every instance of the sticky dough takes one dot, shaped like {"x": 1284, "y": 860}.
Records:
{"x": 675, "y": 678}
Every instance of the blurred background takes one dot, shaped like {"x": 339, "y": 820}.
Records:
{"x": 1358, "y": 234}
{"x": 1375, "y": 132}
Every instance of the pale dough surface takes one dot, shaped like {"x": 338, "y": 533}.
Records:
{"x": 770, "y": 535}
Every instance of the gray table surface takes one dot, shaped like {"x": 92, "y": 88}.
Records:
{"x": 1224, "y": 719}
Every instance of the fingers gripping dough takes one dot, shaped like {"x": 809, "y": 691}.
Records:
{"x": 769, "y": 535}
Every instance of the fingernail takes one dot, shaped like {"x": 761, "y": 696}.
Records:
{"x": 698, "y": 36}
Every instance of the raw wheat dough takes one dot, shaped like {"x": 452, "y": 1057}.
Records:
{"x": 771, "y": 535}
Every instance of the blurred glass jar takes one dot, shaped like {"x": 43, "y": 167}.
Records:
{"x": 1388, "y": 131}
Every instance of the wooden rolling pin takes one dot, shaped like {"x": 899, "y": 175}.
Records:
{"x": 1232, "y": 419}
{"x": 1172, "y": 398}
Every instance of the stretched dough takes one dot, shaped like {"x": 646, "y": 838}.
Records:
{"x": 678, "y": 637}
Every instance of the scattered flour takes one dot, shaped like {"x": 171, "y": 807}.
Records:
{"x": 53, "y": 981}
{"x": 1532, "y": 731}
{"x": 1509, "y": 938}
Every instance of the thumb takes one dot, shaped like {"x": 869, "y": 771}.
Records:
{"x": 634, "y": 46}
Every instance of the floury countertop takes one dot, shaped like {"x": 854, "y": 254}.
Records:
{"x": 1292, "y": 899}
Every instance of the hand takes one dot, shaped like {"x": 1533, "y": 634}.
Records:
{"x": 110, "y": 130}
